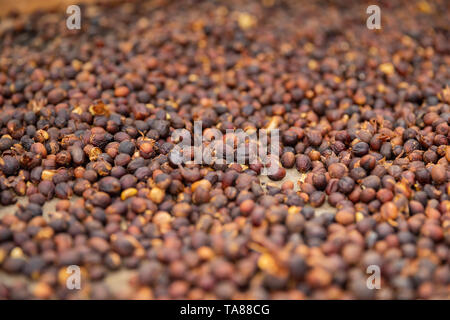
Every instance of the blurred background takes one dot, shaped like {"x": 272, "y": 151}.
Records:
{"x": 27, "y": 6}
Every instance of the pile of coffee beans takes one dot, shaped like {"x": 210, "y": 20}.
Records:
{"x": 87, "y": 116}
